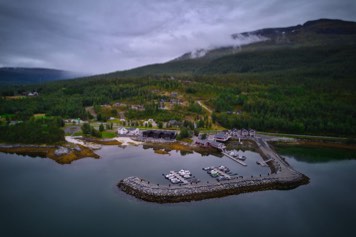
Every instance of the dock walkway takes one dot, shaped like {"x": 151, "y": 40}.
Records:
{"x": 235, "y": 159}
{"x": 183, "y": 180}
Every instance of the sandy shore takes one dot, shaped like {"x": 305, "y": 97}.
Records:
{"x": 126, "y": 141}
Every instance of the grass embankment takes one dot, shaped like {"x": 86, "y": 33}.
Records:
{"x": 49, "y": 151}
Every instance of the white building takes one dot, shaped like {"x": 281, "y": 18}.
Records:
{"x": 150, "y": 121}
{"x": 122, "y": 131}
{"x": 133, "y": 131}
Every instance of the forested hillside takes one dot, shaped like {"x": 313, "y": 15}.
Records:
{"x": 305, "y": 88}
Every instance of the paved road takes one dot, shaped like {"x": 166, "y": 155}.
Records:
{"x": 277, "y": 135}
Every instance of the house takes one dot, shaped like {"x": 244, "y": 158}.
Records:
{"x": 252, "y": 133}
{"x": 32, "y": 94}
{"x": 150, "y": 121}
{"x": 173, "y": 123}
{"x": 175, "y": 101}
{"x": 222, "y": 137}
{"x": 133, "y": 131}
{"x": 122, "y": 131}
{"x": 244, "y": 132}
{"x": 138, "y": 107}
{"x": 158, "y": 134}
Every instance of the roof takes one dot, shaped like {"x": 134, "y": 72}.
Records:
{"x": 221, "y": 135}
{"x": 216, "y": 144}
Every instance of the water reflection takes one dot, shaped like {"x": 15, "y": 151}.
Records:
{"x": 316, "y": 154}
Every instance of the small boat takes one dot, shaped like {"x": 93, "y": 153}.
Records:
{"x": 169, "y": 176}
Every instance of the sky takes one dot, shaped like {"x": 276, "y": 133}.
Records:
{"x": 94, "y": 36}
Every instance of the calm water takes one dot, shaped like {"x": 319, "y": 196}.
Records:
{"x": 41, "y": 198}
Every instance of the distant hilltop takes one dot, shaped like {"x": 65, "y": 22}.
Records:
{"x": 316, "y": 32}
{"x": 20, "y": 75}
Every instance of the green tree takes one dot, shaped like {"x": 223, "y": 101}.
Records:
{"x": 101, "y": 127}
{"x": 86, "y": 128}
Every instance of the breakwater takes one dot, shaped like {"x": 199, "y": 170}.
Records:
{"x": 283, "y": 176}
{"x": 147, "y": 191}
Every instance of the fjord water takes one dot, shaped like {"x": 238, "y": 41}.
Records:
{"x": 42, "y": 198}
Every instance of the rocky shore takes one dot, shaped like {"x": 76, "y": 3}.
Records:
{"x": 62, "y": 154}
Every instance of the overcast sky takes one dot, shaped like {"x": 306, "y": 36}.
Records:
{"x": 108, "y": 35}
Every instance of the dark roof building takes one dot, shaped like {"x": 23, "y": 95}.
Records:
{"x": 222, "y": 137}
{"x": 168, "y": 135}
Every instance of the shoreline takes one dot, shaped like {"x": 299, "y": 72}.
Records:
{"x": 53, "y": 152}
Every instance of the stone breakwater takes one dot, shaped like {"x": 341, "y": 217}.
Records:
{"x": 192, "y": 192}
{"x": 283, "y": 177}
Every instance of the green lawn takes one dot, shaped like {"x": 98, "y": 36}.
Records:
{"x": 107, "y": 134}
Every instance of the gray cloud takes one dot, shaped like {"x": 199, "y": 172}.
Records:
{"x": 108, "y": 35}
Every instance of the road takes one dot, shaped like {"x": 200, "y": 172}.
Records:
{"x": 204, "y": 107}
{"x": 276, "y": 135}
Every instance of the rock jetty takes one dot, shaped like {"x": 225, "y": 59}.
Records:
{"x": 283, "y": 177}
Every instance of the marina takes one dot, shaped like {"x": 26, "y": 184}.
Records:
{"x": 221, "y": 173}
{"x": 282, "y": 176}
{"x": 181, "y": 177}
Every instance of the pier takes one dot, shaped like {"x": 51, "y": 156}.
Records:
{"x": 183, "y": 180}
{"x": 235, "y": 159}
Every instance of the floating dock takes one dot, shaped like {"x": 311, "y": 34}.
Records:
{"x": 183, "y": 180}
{"x": 235, "y": 159}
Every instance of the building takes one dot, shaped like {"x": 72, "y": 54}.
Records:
{"x": 150, "y": 121}
{"x": 252, "y": 133}
{"x": 173, "y": 123}
{"x": 216, "y": 145}
{"x": 133, "y": 131}
{"x": 122, "y": 131}
{"x": 201, "y": 142}
{"x": 222, "y": 137}
{"x": 159, "y": 134}
{"x": 244, "y": 133}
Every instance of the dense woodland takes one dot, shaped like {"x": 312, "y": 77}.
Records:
{"x": 292, "y": 90}
{"x": 34, "y": 131}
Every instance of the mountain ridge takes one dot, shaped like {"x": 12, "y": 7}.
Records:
{"x": 28, "y": 75}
